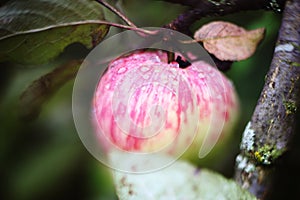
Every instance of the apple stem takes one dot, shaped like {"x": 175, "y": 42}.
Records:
{"x": 141, "y": 30}
{"x": 171, "y": 56}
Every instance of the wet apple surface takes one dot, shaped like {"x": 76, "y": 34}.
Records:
{"x": 144, "y": 104}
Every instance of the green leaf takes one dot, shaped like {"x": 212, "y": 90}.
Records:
{"x": 179, "y": 181}
{"x": 36, "y": 31}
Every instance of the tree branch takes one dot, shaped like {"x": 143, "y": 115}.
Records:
{"x": 243, "y": 3}
{"x": 205, "y": 8}
{"x": 267, "y": 137}
{"x": 40, "y": 90}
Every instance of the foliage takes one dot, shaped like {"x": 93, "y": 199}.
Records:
{"x": 227, "y": 41}
{"x": 181, "y": 180}
{"x": 34, "y": 32}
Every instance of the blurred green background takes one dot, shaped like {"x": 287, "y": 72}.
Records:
{"x": 45, "y": 159}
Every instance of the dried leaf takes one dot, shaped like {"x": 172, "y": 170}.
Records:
{"x": 179, "y": 181}
{"x": 36, "y": 31}
{"x": 229, "y": 42}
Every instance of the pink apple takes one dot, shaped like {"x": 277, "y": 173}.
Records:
{"x": 145, "y": 104}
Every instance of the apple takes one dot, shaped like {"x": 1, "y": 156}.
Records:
{"x": 143, "y": 104}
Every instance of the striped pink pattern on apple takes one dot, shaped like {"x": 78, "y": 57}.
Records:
{"x": 144, "y": 104}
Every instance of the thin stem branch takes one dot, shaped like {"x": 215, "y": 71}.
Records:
{"x": 129, "y": 27}
{"x": 114, "y": 10}
{"x": 40, "y": 90}
{"x": 205, "y": 8}
{"x": 268, "y": 135}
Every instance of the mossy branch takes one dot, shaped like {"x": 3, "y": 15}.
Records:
{"x": 268, "y": 135}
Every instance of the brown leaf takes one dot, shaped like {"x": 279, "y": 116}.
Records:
{"x": 228, "y": 41}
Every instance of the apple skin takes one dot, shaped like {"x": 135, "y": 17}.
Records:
{"x": 144, "y": 104}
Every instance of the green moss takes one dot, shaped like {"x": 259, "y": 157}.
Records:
{"x": 290, "y": 107}
{"x": 267, "y": 154}
{"x": 295, "y": 64}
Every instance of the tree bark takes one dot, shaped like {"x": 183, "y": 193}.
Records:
{"x": 267, "y": 136}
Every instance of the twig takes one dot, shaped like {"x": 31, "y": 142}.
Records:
{"x": 40, "y": 90}
{"x": 205, "y": 8}
{"x": 114, "y": 10}
{"x": 267, "y": 137}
